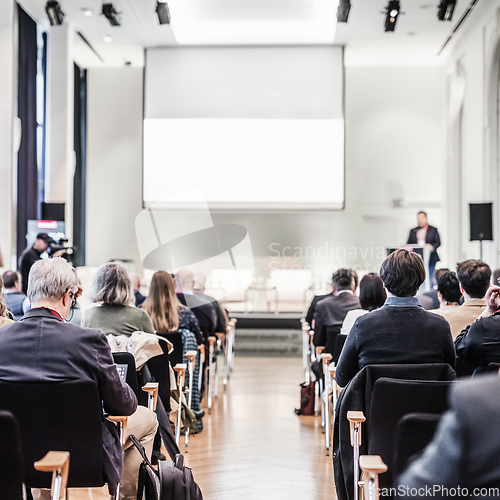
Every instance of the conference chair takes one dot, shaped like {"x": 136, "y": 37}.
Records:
{"x": 59, "y": 416}
{"x": 159, "y": 367}
{"x": 339, "y": 345}
{"x": 414, "y": 432}
{"x": 175, "y": 338}
{"x": 306, "y": 353}
{"x": 371, "y": 467}
{"x": 357, "y": 396}
{"x": 211, "y": 350}
{"x": 325, "y": 360}
{"x": 392, "y": 399}
{"x": 230, "y": 342}
{"x": 218, "y": 350}
{"x": 180, "y": 369}
{"x": 332, "y": 332}
{"x": 319, "y": 383}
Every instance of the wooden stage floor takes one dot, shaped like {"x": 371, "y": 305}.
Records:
{"x": 253, "y": 446}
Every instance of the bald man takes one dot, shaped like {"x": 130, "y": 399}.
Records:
{"x": 199, "y": 290}
{"x": 135, "y": 282}
{"x": 201, "y": 307}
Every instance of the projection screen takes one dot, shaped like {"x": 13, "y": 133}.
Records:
{"x": 255, "y": 128}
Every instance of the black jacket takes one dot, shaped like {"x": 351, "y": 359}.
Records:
{"x": 332, "y": 311}
{"x": 42, "y": 347}
{"x": 27, "y": 259}
{"x": 479, "y": 343}
{"x": 312, "y": 308}
{"x": 395, "y": 335}
{"x": 204, "y": 312}
{"x": 431, "y": 237}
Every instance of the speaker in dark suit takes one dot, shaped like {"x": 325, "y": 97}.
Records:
{"x": 431, "y": 236}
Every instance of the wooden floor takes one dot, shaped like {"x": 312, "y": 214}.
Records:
{"x": 253, "y": 446}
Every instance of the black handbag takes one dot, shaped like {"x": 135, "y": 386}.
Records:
{"x": 172, "y": 481}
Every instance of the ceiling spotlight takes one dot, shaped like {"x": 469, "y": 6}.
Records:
{"x": 162, "y": 12}
{"x": 392, "y": 14}
{"x": 107, "y": 38}
{"x": 87, "y": 11}
{"x": 343, "y": 11}
{"x": 55, "y": 13}
{"x": 445, "y": 9}
{"x": 111, "y": 14}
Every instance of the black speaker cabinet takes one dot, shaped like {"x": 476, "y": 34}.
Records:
{"x": 481, "y": 221}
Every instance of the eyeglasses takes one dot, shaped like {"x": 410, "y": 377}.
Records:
{"x": 73, "y": 298}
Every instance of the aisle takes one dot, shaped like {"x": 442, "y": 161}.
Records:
{"x": 254, "y": 447}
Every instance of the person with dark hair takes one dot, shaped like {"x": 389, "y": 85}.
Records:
{"x": 430, "y": 300}
{"x": 401, "y": 331}
{"x": 4, "y": 312}
{"x": 331, "y": 311}
{"x": 424, "y": 234}
{"x": 474, "y": 277}
{"x": 372, "y": 296}
{"x": 449, "y": 292}
{"x": 17, "y": 302}
{"x": 31, "y": 255}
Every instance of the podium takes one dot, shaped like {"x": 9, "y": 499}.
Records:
{"x": 425, "y": 253}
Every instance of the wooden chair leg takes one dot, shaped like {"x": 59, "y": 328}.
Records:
{"x": 371, "y": 466}
{"x": 180, "y": 368}
{"x": 211, "y": 342}
{"x": 56, "y": 462}
{"x": 356, "y": 418}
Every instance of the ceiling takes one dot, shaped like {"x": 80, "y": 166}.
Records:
{"x": 417, "y": 40}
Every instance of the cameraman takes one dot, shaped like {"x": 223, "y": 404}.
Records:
{"x": 32, "y": 254}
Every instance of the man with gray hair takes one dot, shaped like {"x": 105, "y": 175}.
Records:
{"x": 44, "y": 347}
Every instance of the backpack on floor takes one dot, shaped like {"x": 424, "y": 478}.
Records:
{"x": 172, "y": 481}
{"x": 306, "y": 399}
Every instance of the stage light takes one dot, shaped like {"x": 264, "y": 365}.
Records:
{"x": 162, "y": 12}
{"x": 343, "y": 11}
{"x": 445, "y": 9}
{"x": 392, "y": 14}
{"x": 55, "y": 13}
{"x": 111, "y": 14}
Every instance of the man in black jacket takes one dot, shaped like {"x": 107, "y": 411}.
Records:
{"x": 202, "y": 309}
{"x": 331, "y": 311}
{"x": 479, "y": 343}
{"x": 401, "y": 331}
{"x": 425, "y": 234}
{"x": 44, "y": 347}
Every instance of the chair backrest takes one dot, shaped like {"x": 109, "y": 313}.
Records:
{"x": 11, "y": 458}
{"x": 175, "y": 338}
{"x": 414, "y": 432}
{"x": 59, "y": 416}
{"x": 126, "y": 358}
{"x": 332, "y": 332}
{"x": 392, "y": 399}
{"x": 339, "y": 345}
{"x": 159, "y": 369}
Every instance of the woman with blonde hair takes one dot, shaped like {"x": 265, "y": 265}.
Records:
{"x": 165, "y": 310}
{"x": 4, "y": 312}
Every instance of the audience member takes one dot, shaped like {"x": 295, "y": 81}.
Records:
{"x": 17, "y": 302}
{"x": 400, "y": 331}
{"x": 424, "y": 234}
{"x": 449, "y": 293}
{"x": 430, "y": 300}
{"x": 479, "y": 343}
{"x": 495, "y": 277}
{"x": 4, "y": 312}
{"x": 331, "y": 311}
{"x": 464, "y": 450}
{"x": 372, "y": 296}
{"x": 111, "y": 289}
{"x": 203, "y": 310}
{"x": 31, "y": 255}
{"x": 165, "y": 310}
{"x": 135, "y": 281}
{"x": 474, "y": 277}
{"x": 43, "y": 347}
{"x": 199, "y": 289}
{"x": 312, "y": 308}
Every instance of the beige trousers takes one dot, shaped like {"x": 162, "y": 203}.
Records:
{"x": 142, "y": 424}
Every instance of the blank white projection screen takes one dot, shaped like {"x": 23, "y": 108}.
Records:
{"x": 255, "y": 128}
{"x": 246, "y": 163}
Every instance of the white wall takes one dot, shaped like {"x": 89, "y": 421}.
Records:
{"x": 394, "y": 148}
{"x": 114, "y": 163}
{"x": 472, "y": 156}
{"x": 7, "y": 100}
